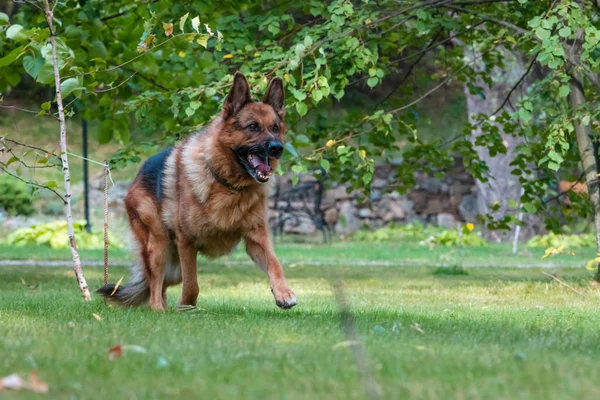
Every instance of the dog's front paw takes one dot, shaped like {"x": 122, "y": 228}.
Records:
{"x": 284, "y": 296}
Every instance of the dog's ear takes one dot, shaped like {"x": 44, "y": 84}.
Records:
{"x": 238, "y": 96}
{"x": 275, "y": 95}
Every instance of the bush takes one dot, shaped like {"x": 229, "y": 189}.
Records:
{"x": 55, "y": 235}
{"x": 568, "y": 241}
{"x": 412, "y": 232}
{"x": 455, "y": 238}
{"x": 14, "y": 197}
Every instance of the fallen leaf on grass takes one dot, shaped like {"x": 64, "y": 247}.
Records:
{"x": 15, "y": 382}
{"x": 117, "y": 351}
{"x": 419, "y": 347}
{"x": 417, "y": 328}
{"x": 99, "y": 318}
{"x": 345, "y": 343}
{"x": 116, "y": 286}
{"x": 32, "y": 287}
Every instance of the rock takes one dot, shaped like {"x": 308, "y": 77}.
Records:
{"x": 331, "y": 216}
{"x": 434, "y": 206}
{"x": 379, "y": 183}
{"x": 347, "y": 221}
{"x": 431, "y": 185}
{"x": 375, "y": 195}
{"x": 301, "y": 225}
{"x": 364, "y": 213}
{"x": 444, "y": 187}
{"x": 469, "y": 208}
{"x": 447, "y": 220}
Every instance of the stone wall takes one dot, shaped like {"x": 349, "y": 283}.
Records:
{"x": 448, "y": 201}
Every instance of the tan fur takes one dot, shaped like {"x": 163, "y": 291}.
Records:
{"x": 200, "y": 214}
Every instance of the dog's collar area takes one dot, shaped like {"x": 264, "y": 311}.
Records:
{"x": 222, "y": 181}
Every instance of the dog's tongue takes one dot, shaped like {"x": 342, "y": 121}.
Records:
{"x": 261, "y": 164}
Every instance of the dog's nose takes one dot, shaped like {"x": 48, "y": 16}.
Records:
{"x": 275, "y": 148}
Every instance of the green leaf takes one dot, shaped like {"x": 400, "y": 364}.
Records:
{"x": 542, "y": 33}
{"x": 564, "y": 91}
{"x": 299, "y": 95}
{"x": 290, "y": 147}
{"x": 4, "y": 19}
{"x": 194, "y": 105}
{"x": 530, "y": 208}
{"x": 553, "y": 166}
{"x": 325, "y": 164}
{"x": 564, "y": 32}
{"x": 300, "y": 49}
{"x": 525, "y": 114}
{"x": 69, "y": 86}
{"x": 11, "y": 57}
{"x": 297, "y": 168}
{"x": 317, "y": 95}
{"x": 585, "y": 121}
{"x": 45, "y": 106}
{"x": 373, "y": 81}
{"x": 33, "y": 66}
{"x": 16, "y": 32}
{"x": 302, "y": 109}
{"x": 182, "y": 22}
{"x": 308, "y": 41}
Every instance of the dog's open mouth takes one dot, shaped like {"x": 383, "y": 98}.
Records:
{"x": 258, "y": 166}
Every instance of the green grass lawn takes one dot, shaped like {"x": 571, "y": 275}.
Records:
{"x": 357, "y": 253}
{"x": 495, "y": 333}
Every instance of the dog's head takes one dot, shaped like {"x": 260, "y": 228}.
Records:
{"x": 254, "y": 130}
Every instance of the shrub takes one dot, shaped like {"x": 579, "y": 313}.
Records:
{"x": 54, "y": 234}
{"x": 455, "y": 238}
{"x": 567, "y": 241}
{"x": 413, "y": 231}
{"x": 14, "y": 197}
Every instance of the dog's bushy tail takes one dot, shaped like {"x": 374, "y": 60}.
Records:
{"x": 134, "y": 293}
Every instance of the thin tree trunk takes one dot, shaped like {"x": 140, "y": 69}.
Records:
{"x": 587, "y": 150}
{"x": 85, "y": 292}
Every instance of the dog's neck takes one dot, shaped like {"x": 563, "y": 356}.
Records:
{"x": 221, "y": 180}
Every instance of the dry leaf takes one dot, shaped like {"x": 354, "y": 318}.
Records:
{"x": 15, "y": 382}
{"x": 115, "y": 352}
{"x": 168, "y": 29}
{"x": 23, "y": 282}
{"x": 419, "y": 347}
{"x": 99, "y": 318}
{"x": 117, "y": 286}
{"x": 417, "y": 327}
{"x": 345, "y": 343}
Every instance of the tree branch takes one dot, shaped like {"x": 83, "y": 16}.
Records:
{"x": 516, "y": 85}
{"x": 6, "y": 171}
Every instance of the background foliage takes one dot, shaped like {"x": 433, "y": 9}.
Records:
{"x": 355, "y": 72}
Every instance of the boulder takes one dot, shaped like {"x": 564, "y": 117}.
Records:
{"x": 348, "y": 221}
{"x": 447, "y": 220}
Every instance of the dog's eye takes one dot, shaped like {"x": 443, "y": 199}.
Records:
{"x": 254, "y": 127}
{"x": 276, "y": 128}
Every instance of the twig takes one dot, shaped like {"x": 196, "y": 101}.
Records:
{"x": 563, "y": 283}
{"x": 516, "y": 85}
{"x": 578, "y": 181}
{"x": 32, "y": 183}
{"x": 134, "y": 58}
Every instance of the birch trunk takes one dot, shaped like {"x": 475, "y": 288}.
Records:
{"x": 85, "y": 292}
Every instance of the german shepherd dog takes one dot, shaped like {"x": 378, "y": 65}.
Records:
{"x": 204, "y": 195}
